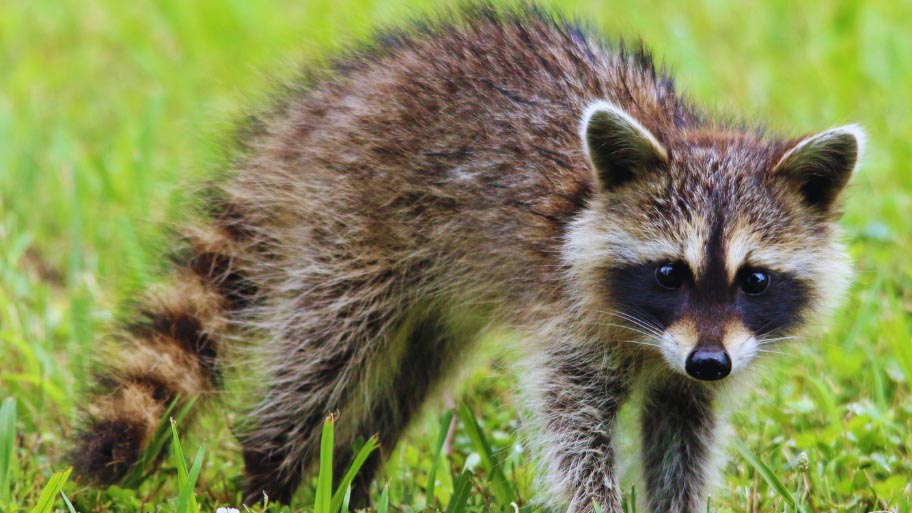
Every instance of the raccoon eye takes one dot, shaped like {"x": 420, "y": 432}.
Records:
{"x": 754, "y": 281}
{"x": 671, "y": 275}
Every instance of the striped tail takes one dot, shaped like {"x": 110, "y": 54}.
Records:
{"x": 170, "y": 352}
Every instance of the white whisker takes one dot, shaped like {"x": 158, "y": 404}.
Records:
{"x": 771, "y": 351}
{"x": 641, "y": 323}
{"x": 764, "y": 341}
{"x": 636, "y": 330}
{"x": 639, "y": 343}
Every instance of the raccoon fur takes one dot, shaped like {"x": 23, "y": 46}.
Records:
{"x": 501, "y": 168}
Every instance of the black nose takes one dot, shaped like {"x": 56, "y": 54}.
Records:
{"x": 708, "y": 363}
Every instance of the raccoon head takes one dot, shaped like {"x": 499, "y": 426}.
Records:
{"x": 708, "y": 245}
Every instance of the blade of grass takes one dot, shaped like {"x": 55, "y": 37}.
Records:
{"x": 628, "y": 503}
{"x": 51, "y": 489}
{"x": 346, "y": 500}
{"x": 187, "y": 500}
{"x": 767, "y": 475}
{"x": 186, "y": 479}
{"x": 345, "y": 485}
{"x": 7, "y": 447}
{"x": 323, "y": 498}
{"x": 146, "y": 464}
{"x": 177, "y": 454}
{"x": 499, "y": 484}
{"x": 383, "y": 506}
{"x": 460, "y": 496}
{"x": 432, "y": 473}
{"x": 827, "y": 399}
{"x": 66, "y": 501}
{"x": 896, "y": 335}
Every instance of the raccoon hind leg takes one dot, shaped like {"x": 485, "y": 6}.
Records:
{"x": 431, "y": 353}
{"x": 373, "y": 396}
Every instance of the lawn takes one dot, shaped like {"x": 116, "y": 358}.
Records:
{"x": 108, "y": 110}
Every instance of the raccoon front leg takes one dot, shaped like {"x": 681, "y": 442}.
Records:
{"x": 678, "y": 422}
{"x": 579, "y": 397}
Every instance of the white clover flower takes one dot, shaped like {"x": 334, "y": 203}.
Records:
{"x": 227, "y": 510}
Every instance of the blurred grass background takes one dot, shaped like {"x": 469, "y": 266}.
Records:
{"x": 108, "y": 109}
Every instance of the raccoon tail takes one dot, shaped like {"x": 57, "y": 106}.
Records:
{"x": 171, "y": 352}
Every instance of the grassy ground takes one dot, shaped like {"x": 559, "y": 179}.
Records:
{"x": 106, "y": 108}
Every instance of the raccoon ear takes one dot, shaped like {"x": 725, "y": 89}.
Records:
{"x": 618, "y": 146}
{"x": 821, "y": 165}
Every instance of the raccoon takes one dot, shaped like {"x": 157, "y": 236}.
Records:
{"x": 498, "y": 167}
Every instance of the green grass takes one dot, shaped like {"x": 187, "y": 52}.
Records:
{"x": 108, "y": 108}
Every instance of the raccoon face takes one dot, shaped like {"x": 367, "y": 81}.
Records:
{"x": 709, "y": 246}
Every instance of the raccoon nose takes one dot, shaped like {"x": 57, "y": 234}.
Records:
{"x": 708, "y": 363}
